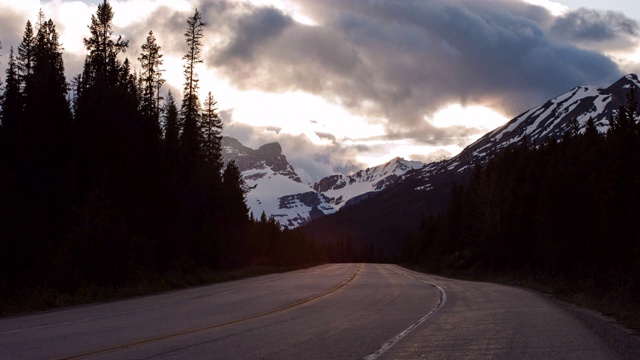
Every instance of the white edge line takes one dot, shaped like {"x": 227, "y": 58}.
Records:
{"x": 389, "y": 344}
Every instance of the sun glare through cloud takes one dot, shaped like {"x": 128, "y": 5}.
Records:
{"x": 480, "y": 117}
{"x": 555, "y": 8}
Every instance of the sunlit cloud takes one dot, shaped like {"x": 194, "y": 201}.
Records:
{"x": 480, "y": 117}
{"x": 554, "y": 7}
{"x": 348, "y": 83}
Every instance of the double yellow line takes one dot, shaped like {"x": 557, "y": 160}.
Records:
{"x": 207, "y": 327}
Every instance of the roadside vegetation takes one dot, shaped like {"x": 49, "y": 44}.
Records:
{"x": 559, "y": 217}
{"x": 110, "y": 188}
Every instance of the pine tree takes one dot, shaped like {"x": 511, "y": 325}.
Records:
{"x": 101, "y": 46}
{"x": 151, "y": 77}
{"x": 47, "y": 116}
{"x": 235, "y": 191}
{"x": 170, "y": 125}
{"x": 104, "y": 127}
{"x": 149, "y": 85}
{"x": 211, "y": 125}
{"x": 235, "y": 217}
{"x": 26, "y": 55}
{"x": 11, "y": 106}
{"x": 190, "y": 111}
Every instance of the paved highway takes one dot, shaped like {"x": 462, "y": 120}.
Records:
{"x": 336, "y": 311}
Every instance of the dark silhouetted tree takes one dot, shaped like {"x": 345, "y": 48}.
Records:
{"x": 11, "y": 107}
{"x": 26, "y": 55}
{"x": 211, "y": 128}
{"x": 190, "y": 111}
{"x": 151, "y": 77}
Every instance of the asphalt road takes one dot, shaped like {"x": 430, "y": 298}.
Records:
{"x": 337, "y": 311}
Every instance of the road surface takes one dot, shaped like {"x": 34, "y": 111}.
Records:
{"x": 335, "y": 311}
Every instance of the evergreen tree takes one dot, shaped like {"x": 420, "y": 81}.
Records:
{"x": 101, "y": 46}
{"x": 26, "y": 55}
{"x": 211, "y": 125}
{"x": 46, "y": 97}
{"x": 149, "y": 85}
{"x": 104, "y": 127}
{"x": 171, "y": 119}
{"x": 47, "y": 116}
{"x": 11, "y": 106}
{"x": 151, "y": 77}
{"x": 235, "y": 202}
{"x": 190, "y": 111}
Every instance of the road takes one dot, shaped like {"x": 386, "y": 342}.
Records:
{"x": 335, "y": 311}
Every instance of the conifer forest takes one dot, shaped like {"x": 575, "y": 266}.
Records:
{"x": 104, "y": 181}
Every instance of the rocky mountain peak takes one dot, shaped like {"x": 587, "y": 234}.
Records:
{"x": 268, "y": 155}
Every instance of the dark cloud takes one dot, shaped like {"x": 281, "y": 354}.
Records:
{"x": 327, "y": 136}
{"x": 608, "y": 28}
{"x": 401, "y": 60}
{"x": 253, "y": 31}
{"x": 393, "y": 62}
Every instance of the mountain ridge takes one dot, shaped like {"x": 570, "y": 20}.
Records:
{"x": 387, "y": 218}
{"x": 276, "y": 189}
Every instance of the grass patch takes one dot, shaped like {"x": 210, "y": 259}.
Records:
{"x": 46, "y": 298}
{"x": 615, "y": 299}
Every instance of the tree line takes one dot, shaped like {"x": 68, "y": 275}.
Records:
{"x": 566, "y": 208}
{"x": 104, "y": 181}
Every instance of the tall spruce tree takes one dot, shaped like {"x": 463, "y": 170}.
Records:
{"x": 102, "y": 130}
{"x": 47, "y": 117}
{"x": 11, "y": 106}
{"x": 101, "y": 46}
{"x": 26, "y": 55}
{"x": 46, "y": 93}
{"x": 150, "y": 83}
{"x": 190, "y": 139}
{"x": 211, "y": 125}
{"x": 151, "y": 77}
{"x": 171, "y": 131}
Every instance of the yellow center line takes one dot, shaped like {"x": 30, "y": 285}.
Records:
{"x": 208, "y": 327}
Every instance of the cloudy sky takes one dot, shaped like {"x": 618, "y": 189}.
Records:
{"x": 345, "y": 84}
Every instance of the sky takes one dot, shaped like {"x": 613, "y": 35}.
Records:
{"x": 346, "y": 84}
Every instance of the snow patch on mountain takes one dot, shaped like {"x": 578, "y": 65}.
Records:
{"x": 342, "y": 190}
{"x": 273, "y": 185}
{"x": 549, "y": 121}
{"x": 290, "y": 202}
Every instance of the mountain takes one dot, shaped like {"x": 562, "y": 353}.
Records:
{"x": 551, "y": 120}
{"x": 344, "y": 190}
{"x": 276, "y": 189}
{"x": 387, "y": 218}
{"x": 274, "y": 186}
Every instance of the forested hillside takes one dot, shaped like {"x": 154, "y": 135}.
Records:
{"x": 563, "y": 209}
{"x": 103, "y": 182}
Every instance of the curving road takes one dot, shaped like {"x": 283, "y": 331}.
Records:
{"x": 336, "y": 311}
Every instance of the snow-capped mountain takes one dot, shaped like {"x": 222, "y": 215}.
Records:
{"x": 388, "y": 217}
{"x": 409, "y": 187}
{"x": 274, "y": 186}
{"x": 548, "y": 121}
{"x": 344, "y": 190}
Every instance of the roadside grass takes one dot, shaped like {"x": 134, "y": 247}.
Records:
{"x": 616, "y": 299}
{"x": 47, "y": 298}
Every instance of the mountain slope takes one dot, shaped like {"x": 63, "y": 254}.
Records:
{"x": 276, "y": 189}
{"x": 387, "y": 218}
{"x": 347, "y": 190}
{"x": 274, "y": 186}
